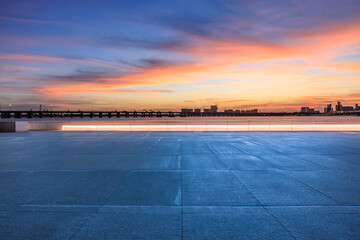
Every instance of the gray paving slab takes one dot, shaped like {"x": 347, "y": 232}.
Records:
{"x": 148, "y": 188}
{"x": 156, "y": 222}
{"x": 114, "y": 148}
{"x": 202, "y": 162}
{"x": 231, "y": 223}
{"x": 344, "y": 189}
{"x": 20, "y": 187}
{"x": 354, "y": 159}
{"x": 83, "y": 188}
{"x": 195, "y": 147}
{"x": 245, "y": 162}
{"x": 177, "y": 185}
{"x": 253, "y": 148}
{"x": 40, "y": 225}
{"x": 224, "y": 148}
{"x": 320, "y": 222}
{"x": 209, "y": 188}
{"x": 22, "y": 162}
{"x": 166, "y": 147}
{"x": 336, "y": 162}
{"x": 158, "y": 162}
{"x": 276, "y": 188}
{"x": 290, "y": 162}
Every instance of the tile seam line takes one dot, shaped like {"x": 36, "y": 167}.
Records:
{"x": 326, "y": 168}
{"x": 255, "y": 196}
{"x": 298, "y": 180}
{"x": 97, "y": 210}
{"x": 181, "y": 194}
{"x": 171, "y": 206}
{"x": 289, "y": 174}
{"x": 46, "y": 191}
{"x": 177, "y": 206}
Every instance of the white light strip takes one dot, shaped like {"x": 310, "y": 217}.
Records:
{"x": 220, "y": 128}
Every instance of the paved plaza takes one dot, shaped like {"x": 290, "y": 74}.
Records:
{"x": 178, "y": 185}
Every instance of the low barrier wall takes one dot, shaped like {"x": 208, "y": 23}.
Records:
{"x": 214, "y": 128}
{"x": 190, "y": 125}
{"x": 13, "y": 126}
{"x": 45, "y": 126}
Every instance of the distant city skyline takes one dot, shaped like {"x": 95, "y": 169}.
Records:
{"x": 269, "y": 55}
{"x": 327, "y": 109}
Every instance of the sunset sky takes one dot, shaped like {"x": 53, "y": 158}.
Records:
{"x": 271, "y": 55}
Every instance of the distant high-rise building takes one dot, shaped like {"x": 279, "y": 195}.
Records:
{"x": 228, "y": 111}
{"x": 347, "y": 108}
{"x": 307, "y": 110}
{"x": 338, "y": 106}
{"x": 251, "y": 111}
{"x": 214, "y": 108}
{"x": 304, "y": 109}
{"x": 186, "y": 110}
{"x": 328, "y": 108}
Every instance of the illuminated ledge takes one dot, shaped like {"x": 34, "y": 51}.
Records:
{"x": 214, "y": 128}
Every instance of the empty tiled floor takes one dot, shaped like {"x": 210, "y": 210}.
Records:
{"x": 96, "y": 185}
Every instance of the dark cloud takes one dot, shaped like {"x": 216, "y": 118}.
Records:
{"x": 81, "y": 76}
{"x": 192, "y": 25}
{"x": 148, "y": 63}
{"x": 154, "y": 43}
{"x": 158, "y": 63}
{"x": 71, "y": 57}
{"x": 235, "y": 21}
{"x": 99, "y": 75}
{"x": 262, "y": 20}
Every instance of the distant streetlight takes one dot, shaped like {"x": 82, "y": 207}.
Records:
{"x": 51, "y": 108}
{"x": 10, "y": 106}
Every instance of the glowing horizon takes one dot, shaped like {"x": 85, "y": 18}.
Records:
{"x": 269, "y": 55}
